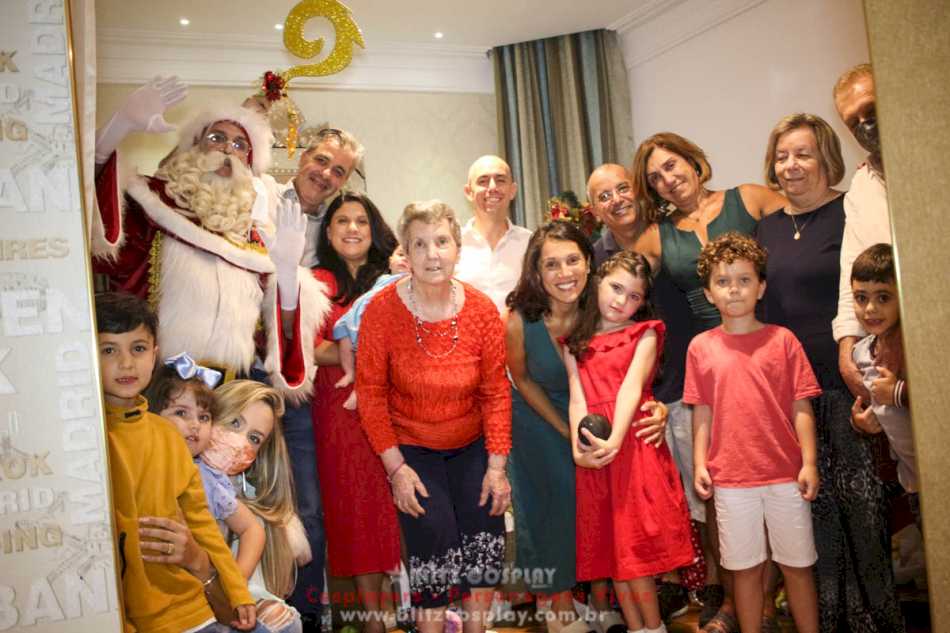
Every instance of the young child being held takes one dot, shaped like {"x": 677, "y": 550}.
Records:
{"x": 244, "y": 436}
{"x": 154, "y": 479}
{"x": 880, "y": 359}
{"x": 181, "y": 393}
{"x": 632, "y": 519}
{"x": 347, "y": 327}
{"x": 754, "y": 434}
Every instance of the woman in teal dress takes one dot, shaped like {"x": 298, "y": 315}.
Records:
{"x": 681, "y": 215}
{"x": 670, "y": 175}
{"x": 552, "y": 290}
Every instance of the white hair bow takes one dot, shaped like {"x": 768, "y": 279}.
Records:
{"x": 187, "y": 368}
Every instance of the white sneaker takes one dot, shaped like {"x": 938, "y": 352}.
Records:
{"x": 579, "y": 625}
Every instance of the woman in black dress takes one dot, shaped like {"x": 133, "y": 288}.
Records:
{"x": 855, "y": 581}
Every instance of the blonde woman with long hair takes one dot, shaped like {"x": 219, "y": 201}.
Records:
{"x": 240, "y": 404}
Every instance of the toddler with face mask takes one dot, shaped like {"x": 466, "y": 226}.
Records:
{"x": 181, "y": 392}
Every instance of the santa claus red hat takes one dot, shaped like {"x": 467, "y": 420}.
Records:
{"x": 253, "y": 123}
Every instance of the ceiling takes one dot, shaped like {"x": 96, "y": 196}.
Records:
{"x": 412, "y": 22}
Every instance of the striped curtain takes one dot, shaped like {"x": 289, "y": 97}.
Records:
{"x": 563, "y": 108}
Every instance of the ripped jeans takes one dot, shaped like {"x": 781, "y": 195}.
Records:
{"x": 276, "y": 616}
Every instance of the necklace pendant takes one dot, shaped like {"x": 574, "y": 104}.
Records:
{"x": 797, "y": 235}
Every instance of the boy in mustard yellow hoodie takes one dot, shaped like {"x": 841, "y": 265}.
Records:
{"x": 153, "y": 475}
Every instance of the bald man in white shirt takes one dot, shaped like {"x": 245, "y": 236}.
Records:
{"x": 492, "y": 246}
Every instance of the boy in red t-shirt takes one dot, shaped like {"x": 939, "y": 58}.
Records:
{"x": 754, "y": 434}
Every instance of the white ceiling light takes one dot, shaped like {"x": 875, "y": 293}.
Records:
{"x": 438, "y": 35}
{"x": 184, "y": 21}
{"x": 279, "y": 27}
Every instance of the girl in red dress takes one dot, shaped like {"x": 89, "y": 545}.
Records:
{"x": 632, "y": 519}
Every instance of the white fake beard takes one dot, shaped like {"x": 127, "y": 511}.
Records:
{"x": 221, "y": 203}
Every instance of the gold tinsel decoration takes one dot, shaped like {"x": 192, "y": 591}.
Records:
{"x": 286, "y": 119}
{"x": 292, "y": 127}
{"x": 347, "y": 33}
{"x": 274, "y": 85}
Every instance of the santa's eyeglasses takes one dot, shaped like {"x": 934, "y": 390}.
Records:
{"x": 220, "y": 140}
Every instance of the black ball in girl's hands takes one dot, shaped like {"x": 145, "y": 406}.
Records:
{"x": 598, "y": 425}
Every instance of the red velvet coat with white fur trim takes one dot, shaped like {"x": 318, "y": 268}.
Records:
{"x": 210, "y": 293}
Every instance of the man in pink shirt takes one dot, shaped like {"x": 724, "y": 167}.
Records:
{"x": 754, "y": 444}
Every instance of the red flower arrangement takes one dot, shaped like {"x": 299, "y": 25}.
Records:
{"x": 274, "y": 89}
{"x": 273, "y": 86}
{"x": 565, "y": 207}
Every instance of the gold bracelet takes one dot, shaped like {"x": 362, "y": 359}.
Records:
{"x": 207, "y": 583}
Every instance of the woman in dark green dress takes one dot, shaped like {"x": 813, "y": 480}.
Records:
{"x": 554, "y": 287}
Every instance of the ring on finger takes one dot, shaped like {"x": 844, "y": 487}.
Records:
{"x": 170, "y": 548}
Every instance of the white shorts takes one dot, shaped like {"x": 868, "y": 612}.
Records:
{"x": 679, "y": 437}
{"x": 743, "y": 514}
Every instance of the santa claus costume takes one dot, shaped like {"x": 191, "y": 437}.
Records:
{"x": 216, "y": 295}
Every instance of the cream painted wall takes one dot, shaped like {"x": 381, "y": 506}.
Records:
{"x": 418, "y": 145}
{"x": 723, "y": 73}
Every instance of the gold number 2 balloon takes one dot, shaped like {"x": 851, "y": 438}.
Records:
{"x": 347, "y": 33}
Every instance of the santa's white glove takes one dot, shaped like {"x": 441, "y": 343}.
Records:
{"x": 143, "y": 111}
{"x": 286, "y": 248}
